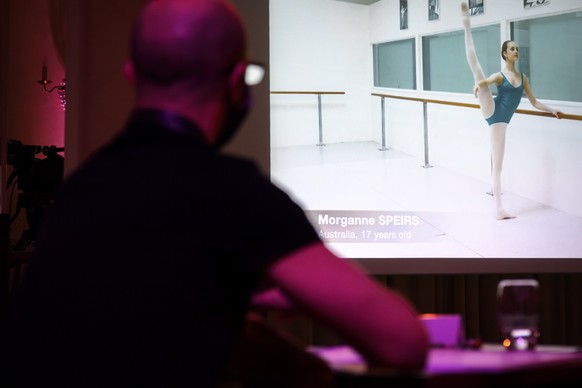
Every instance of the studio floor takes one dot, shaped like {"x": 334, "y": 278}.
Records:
{"x": 456, "y": 212}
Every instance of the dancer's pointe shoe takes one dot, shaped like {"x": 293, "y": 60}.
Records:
{"x": 503, "y": 215}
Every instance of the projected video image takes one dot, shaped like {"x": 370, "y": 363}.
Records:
{"x": 391, "y": 138}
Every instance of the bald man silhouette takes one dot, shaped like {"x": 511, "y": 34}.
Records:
{"x": 152, "y": 253}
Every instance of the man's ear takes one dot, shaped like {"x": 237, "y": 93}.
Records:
{"x": 129, "y": 72}
{"x": 236, "y": 82}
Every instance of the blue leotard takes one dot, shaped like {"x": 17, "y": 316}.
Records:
{"x": 506, "y": 102}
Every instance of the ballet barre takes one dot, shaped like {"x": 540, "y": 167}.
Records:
{"x": 319, "y": 94}
{"x": 426, "y": 101}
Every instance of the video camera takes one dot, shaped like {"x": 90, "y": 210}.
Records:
{"x": 33, "y": 173}
{"x": 36, "y": 180}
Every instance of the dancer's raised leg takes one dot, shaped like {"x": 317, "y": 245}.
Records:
{"x": 498, "y": 131}
{"x": 484, "y": 94}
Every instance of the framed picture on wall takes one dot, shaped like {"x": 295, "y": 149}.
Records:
{"x": 434, "y": 9}
{"x": 403, "y": 14}
{"x": 476, "y": 7}
{"x": 534, "y": 3}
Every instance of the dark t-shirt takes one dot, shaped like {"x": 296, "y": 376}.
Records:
{"x": 147, "y": 261}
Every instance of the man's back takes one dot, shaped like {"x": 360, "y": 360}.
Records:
{"x": 148, "y": 260}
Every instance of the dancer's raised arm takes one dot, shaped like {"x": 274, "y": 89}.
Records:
{"x": 495, "y": 78}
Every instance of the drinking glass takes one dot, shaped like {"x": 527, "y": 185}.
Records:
{"x": 518, "y": 313}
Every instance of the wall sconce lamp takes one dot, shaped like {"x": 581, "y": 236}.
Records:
{"x": 60, "y": 88}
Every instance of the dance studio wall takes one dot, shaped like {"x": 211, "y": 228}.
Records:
{"x": 326, "y": 45}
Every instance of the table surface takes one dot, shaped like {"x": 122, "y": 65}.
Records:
{"x": 490, "y": 358}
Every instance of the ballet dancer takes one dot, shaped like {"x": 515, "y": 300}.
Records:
{"x": 498, "y": 111}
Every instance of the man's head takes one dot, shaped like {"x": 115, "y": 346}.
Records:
{"x": 189, "y": 56}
